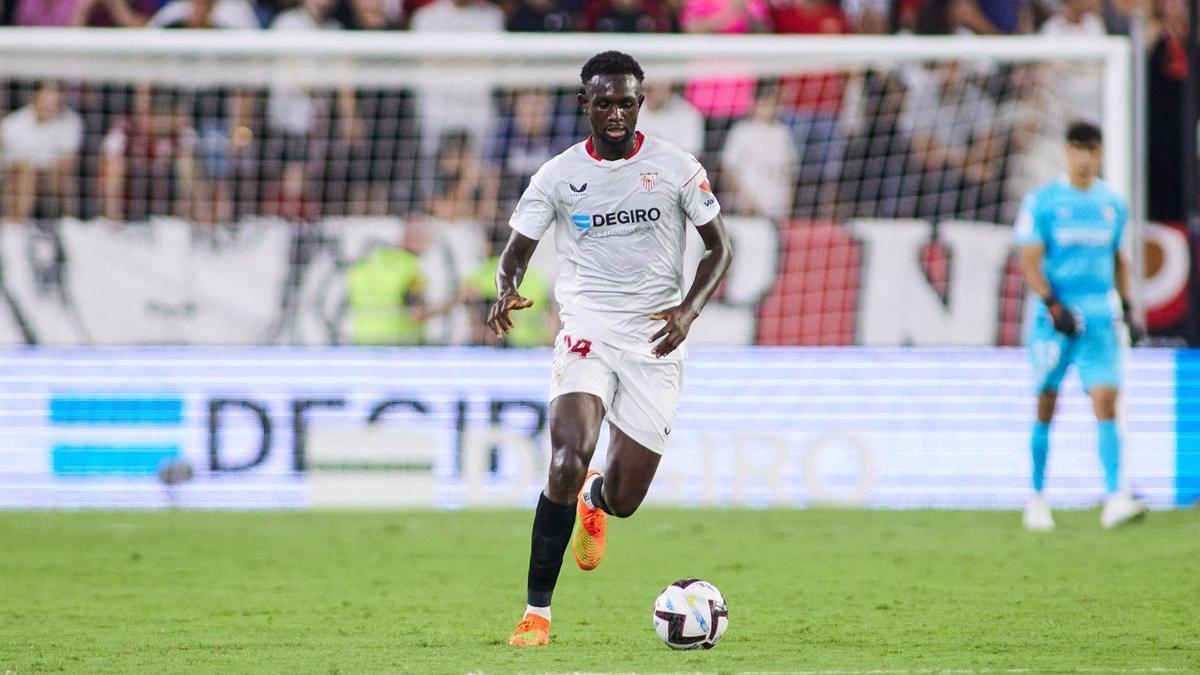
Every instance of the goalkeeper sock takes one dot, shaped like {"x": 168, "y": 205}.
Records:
{"x": 1039, "y": 447}
{"x": 1109, "y": 445}
{"x": 552, "y": 525}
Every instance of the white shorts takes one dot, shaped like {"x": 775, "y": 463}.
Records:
{"x": 640, "y": 392}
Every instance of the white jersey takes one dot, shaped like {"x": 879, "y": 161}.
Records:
{"x": 620, "y": 236}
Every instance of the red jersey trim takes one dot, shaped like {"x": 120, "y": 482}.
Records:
{"x": 637, "y": 145}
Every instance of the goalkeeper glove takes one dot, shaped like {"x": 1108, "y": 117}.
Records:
{"x": 1063, "y": 318}
{"x": 1137, "y": 333}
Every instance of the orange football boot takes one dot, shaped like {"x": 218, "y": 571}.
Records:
{"x": 591, "y": 539}
{"x": 533, "y": 631}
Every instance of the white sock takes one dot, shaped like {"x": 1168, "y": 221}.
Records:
{"x": 543, "y": 612}
{"x": 587, "y": 490}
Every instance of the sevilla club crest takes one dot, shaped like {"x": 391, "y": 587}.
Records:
{"x": 648, "y": 179}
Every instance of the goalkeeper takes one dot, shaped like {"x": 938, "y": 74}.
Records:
{"x": 1069, "y": 234}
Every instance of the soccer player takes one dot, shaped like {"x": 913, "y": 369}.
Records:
{"x": 621, "y": 202}
{"x": 1069, "y": 233}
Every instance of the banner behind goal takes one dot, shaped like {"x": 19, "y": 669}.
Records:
{"x": 256, "y": 164}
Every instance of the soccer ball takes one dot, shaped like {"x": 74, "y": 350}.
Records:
{"x": 690, "y": 614}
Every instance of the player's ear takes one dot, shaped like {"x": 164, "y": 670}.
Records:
{"x": 641, "y": 100}
{"x": 583, "y": 99}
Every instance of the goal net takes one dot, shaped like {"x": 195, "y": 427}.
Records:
{"x": 230, "y": 187}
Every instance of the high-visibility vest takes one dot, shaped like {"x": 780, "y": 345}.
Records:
{"x": 530, "y": 326}
{"x": 377, "y": 290}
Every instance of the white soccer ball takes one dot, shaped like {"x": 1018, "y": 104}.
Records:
{"x": 690, "y": 614}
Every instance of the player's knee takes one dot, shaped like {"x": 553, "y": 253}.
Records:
{"x": 1104, "y": 402}
{"x": 1047, "y": 401}
{"x": 567, "y": 470}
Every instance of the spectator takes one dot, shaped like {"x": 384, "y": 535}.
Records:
{"x": 1009, "y": 17}
{"x": 1034, "y": 115}
{"x": 301, "y": 123}
{"x": 1166, "y": 88}
{"x": 1080, "y": 83}
{"x": 455, "y": 105}
{"x": 526, "y": 138}
{"x": 46, "y": 13}
{"x": 874, "y": 177}
{"x": 385, "y": 293}
{"x": 539, "y": 323}
{"x": 291, "y": 200}
{"x": 234, "y": 14}
{"x": 812, "y": 102}
{"x": 371, "y": 14}
{"x": 1117, "y": 12}
{"x": 542, "y": 16}
{"x": 115, "y": 13}
{"x": 950, "y": 122}
{"x": 463, "y": 188}
{"x": 871, "y": 17}
{"x": 627, "y": 16}
{"x": 755, "y": 182}
{"x": 724, "y": 98}
{"x": 139, "y": 156}
{"x": 669, "y": 117}
{"x": 39, "y": 150}
{"x": 960, "y": 17}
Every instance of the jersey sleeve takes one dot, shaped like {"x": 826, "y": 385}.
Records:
{"x": 535, "y": 210}
{"x": 1027, "y": 230}
{"x": 696, "y": 197}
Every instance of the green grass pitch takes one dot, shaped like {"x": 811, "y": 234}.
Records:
{"x": 808, "y": 591}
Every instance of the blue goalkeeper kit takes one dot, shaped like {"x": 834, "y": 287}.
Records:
{"x": 1081, "y": 231}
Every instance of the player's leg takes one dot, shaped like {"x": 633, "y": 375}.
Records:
{"x": 574, "y": 429}
{"x": 618, "y": 492}
{"x": 631, "y": 469}
{"x": 1050, "y": 354}
{"x": 1100, "y": 371}
{"x": 1108, "y": 441}
{"x": 640, "y": 418}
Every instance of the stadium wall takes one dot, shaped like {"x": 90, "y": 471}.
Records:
{"x": 463, "y": 427}
{"x": 869, "y": 282}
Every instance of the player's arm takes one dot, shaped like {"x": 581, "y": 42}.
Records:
{"x": 1137, "y": 331}
{"x": 509, "y": 273}
{"x": 718, "y": 254}
{"x": 1032, "y": 257}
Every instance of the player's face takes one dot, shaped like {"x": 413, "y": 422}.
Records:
{"x": 611, "y": 103}
{"x": 1083, "y": 160}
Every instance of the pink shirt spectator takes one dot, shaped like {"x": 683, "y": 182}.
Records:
{"x": 726, "y": 96}
{"x": 44, "y": 12}
{"x": 707, "y": 9}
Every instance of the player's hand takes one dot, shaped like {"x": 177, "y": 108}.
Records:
{"x": 1137, "y": 332}
{"x": 1063, "y": 318}
{"x": 679, "y": 321}
{"x": 498, "y": 319}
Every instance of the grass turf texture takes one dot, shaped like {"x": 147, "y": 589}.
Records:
{"x": 326, "y": 592}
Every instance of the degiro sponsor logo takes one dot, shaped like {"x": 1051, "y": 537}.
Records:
{"x": 584, "y": 221}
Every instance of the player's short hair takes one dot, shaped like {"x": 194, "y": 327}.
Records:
{"x": 611, "y": 63}
{"x": 1084, "y": 133}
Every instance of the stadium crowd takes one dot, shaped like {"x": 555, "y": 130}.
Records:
{"x": 936, "y": 141}
{"x": 945, "y": 141}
